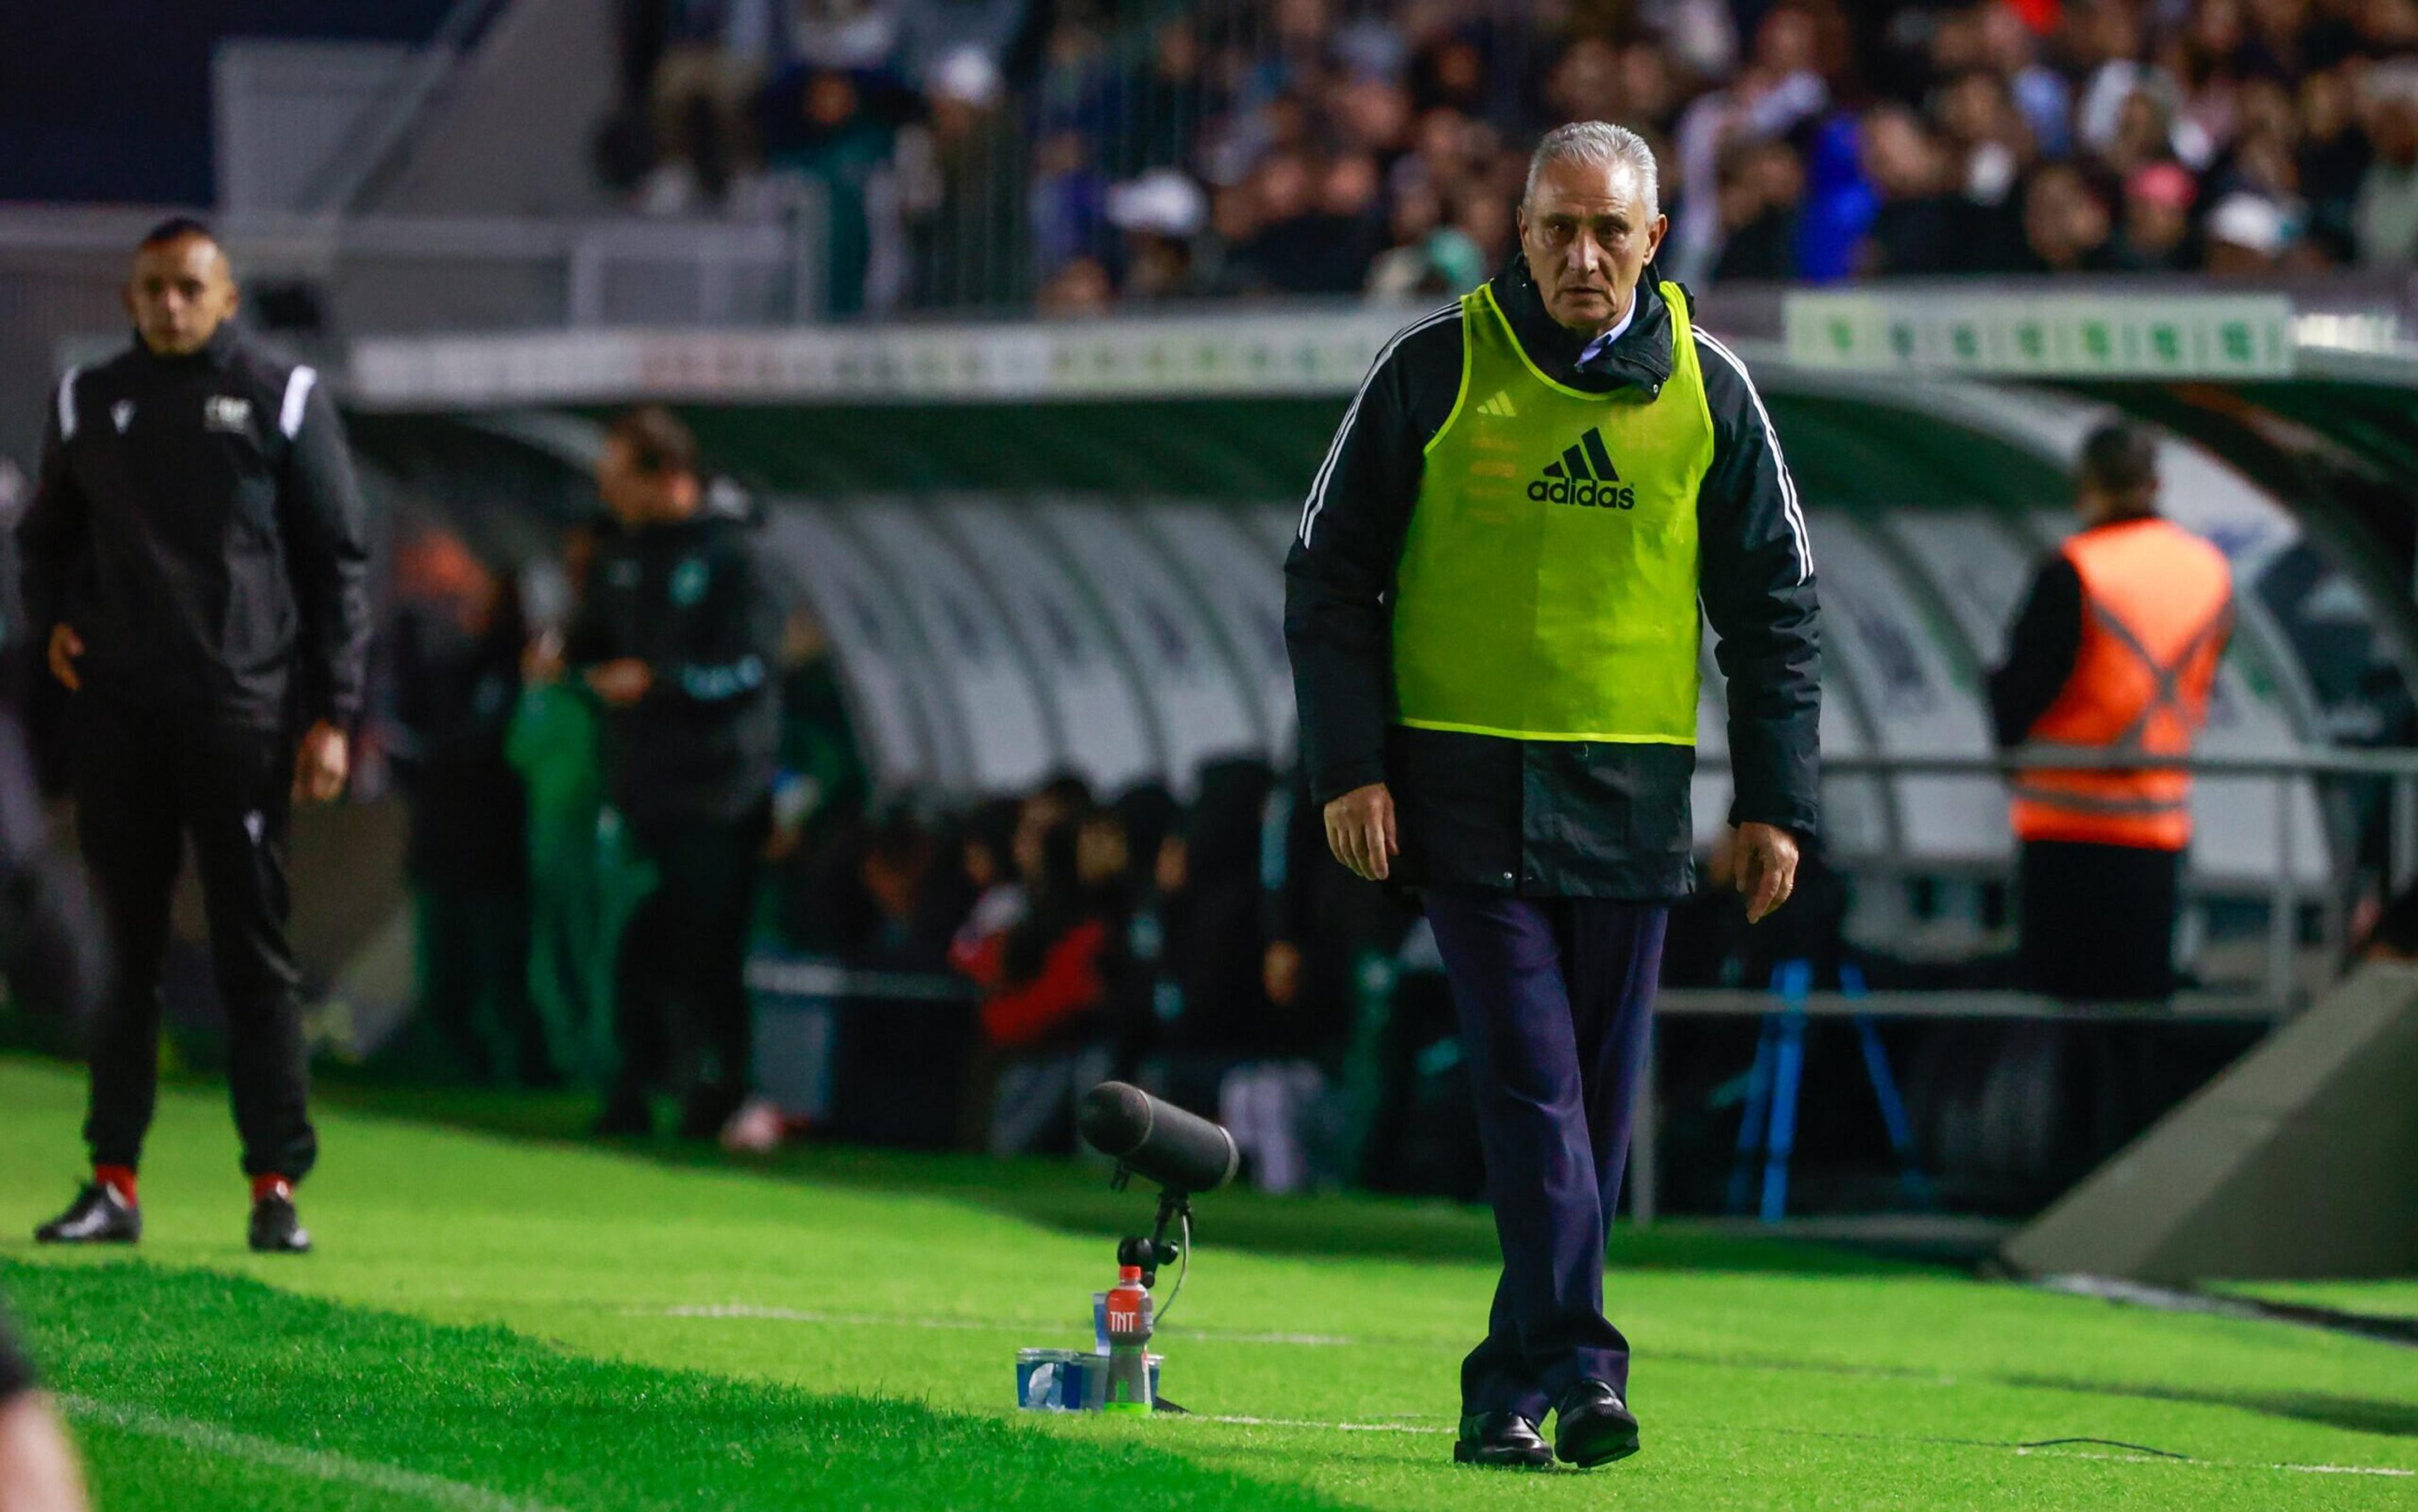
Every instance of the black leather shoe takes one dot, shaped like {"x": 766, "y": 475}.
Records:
{"x": 1593, "y": 1426}
{"x": 98, "y": 1216}
{"x": 1505, "y": 1441}
{"x": 277, "y": 1229}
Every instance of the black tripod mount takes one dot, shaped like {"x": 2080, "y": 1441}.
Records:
{"x": 1155, "y": 1249}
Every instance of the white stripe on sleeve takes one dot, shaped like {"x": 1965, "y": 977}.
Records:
{"x": 298, "y": 393}
{"x": 68, "y": 406}
{"x": 1317, "y": 499}
{"x": 1771, "y": 437}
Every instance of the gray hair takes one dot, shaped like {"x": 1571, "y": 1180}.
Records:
{"x": 1604, "y": 144}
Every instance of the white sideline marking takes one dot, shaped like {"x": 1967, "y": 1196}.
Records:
{"x": 1332, "y": 1428}
{"x": 2162, "y": 1299}
{"x": 2044, "y": 1451}
{"x": 316, "y": 1463}
{"x": 870, "y": 1320}
{"x": 2220, "y": 1464}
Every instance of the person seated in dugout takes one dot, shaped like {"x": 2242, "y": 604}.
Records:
{"x": 1046, "y": 970}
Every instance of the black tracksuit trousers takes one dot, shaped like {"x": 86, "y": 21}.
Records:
{"x": 144, "y": 779}
{"x": 681, "y": 1005}
{"x": 1555, "y": 999}
{"x": 2099, "y": 921}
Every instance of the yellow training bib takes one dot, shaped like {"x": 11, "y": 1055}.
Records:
{"x": 1547, "y": 585}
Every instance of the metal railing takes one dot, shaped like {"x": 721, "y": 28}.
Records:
{"x": 2285, "y": 891}
{"x": 2278, "y": 999}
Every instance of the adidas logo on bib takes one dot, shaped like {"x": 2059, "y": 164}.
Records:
{"x": 1584, "y": 476}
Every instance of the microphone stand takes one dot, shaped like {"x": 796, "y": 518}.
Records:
{"x": 1156, "y": 1249}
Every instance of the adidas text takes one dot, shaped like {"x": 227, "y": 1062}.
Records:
{"x": 1583, "y": 491}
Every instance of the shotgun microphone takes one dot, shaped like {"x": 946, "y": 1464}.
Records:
{"x": 1182, "y": 1152}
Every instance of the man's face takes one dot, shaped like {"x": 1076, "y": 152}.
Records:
{"x": 633, "y": 494}
{"x": 1040, "y": 814}
{"x": 2155, "y": 225}
{"x": 179, "y": 295}
{"x": 1588, "y": 234}
{"x": 1898, "y": 159}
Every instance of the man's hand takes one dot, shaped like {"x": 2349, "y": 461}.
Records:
{"x": 623, "y": 683}
{"x": 1281, "y": 973}
{"x": 1765, "y": 868}
{"x": 1360, "y": 831}
{"x": 541, "y": 660}
{"x": 321, "y": 765}
{"x": 65, "y": 645}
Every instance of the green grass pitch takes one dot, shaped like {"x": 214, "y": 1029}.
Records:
{"x": 501, "y": 1323}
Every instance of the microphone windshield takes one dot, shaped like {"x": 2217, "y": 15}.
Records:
{"x": 1179, "y": 1151}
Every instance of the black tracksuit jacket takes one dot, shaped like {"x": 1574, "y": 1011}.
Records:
{"x": 698, "y": 604}
{"x": 1552, "y": 818}
{"x": 197, "y": 522}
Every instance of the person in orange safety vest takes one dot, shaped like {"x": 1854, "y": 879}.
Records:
{"x": 2116, "y": 651}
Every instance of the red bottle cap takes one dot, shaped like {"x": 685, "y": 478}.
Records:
{"x": 1129, "y": 1272}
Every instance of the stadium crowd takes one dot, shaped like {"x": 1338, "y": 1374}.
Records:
{"x": 1087, "y": 155}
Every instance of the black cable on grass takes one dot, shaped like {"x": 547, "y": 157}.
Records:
{"x": 2111, "y": 1444}
{"x": 1958, "y": 1442}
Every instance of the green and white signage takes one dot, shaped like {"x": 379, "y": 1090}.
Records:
{"x": 2174, "y": 336}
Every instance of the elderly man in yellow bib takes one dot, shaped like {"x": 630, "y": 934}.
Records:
{"x": 1493, "y": 611}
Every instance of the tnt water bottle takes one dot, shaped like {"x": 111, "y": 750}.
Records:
{"x": 1128, "y": 1311}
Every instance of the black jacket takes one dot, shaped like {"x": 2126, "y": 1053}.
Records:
{"x": 198, "y": 524}
{"x": 2042, "y": 646}
{"x": 1552, "y": 818}
{"x": 696, "y": 602}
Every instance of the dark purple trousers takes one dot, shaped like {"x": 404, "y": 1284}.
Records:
{"x": 1554, "y": 997}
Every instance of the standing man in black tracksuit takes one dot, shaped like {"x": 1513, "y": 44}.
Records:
{"x": 677, "y": 635}
{"x": 194, "y": 562}
{"x": 1492, "y": 609}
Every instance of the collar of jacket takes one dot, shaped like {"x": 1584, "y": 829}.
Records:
{"x": 217, "y": 352}
{"x": 1641, "y": 358}
{"x": 688, "y": 529}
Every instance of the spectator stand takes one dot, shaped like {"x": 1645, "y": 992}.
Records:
{"x": 1121, "y": 155}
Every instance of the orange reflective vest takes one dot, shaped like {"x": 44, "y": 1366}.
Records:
{"x": 2157, "y": 605}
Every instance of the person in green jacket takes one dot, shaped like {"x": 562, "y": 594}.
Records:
{"x": 585, "y": 880}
